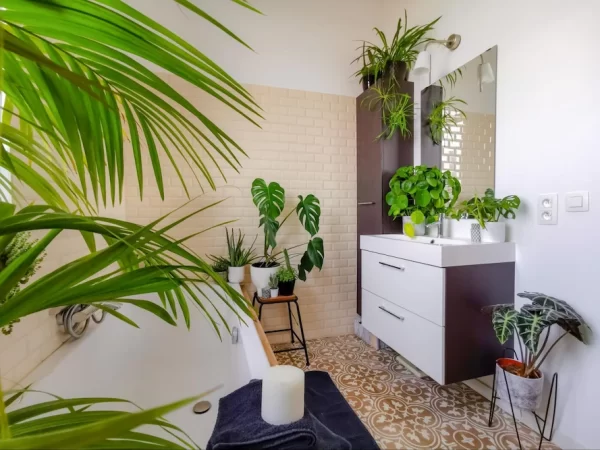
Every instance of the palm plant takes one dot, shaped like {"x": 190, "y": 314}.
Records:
{"x": 529, "y": 323}
{"x": 74, "y": 92}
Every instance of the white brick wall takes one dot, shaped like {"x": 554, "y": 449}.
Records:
{"x": 469, "y": 152}
{"x": 308, "y": 145}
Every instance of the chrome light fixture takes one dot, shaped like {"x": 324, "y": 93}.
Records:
{"x": 423, "y": 63}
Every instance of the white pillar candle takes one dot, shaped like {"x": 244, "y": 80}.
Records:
{"x": 282, "y": 395}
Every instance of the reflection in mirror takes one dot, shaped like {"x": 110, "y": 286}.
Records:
{"x": 458, "y": 123}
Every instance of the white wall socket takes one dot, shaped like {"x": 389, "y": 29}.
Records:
{"x": 547, "y": 210}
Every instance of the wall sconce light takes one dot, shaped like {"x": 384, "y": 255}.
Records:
{"x": 486, "y": 73}
{"x": 423, "y": 63}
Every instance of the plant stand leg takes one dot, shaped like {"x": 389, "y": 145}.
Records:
{"x": 552, "y": 396}
{"x": 512, "y": 410}
{"x": 291, "y": 324}
{"x": 493, "y": 401}
{"x": 302, "y": 333}
{"x": 260, "y": 311}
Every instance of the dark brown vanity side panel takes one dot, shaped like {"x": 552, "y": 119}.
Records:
{"x": 368, "y": 176}
{"x": 470, "y": 341}
{"x": 431, "y": 153}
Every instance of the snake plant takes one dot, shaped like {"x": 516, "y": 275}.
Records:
{"x": 78, "y": 101}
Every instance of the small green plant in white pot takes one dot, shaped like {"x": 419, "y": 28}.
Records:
{"x": 239, "y": 257}
{"x": 274, "y": 285}
{"x": 487, "y": 212}
{"x": 528, "y": 325}
{"x": 419, "y": 194}
{"x": 220, "y": 265}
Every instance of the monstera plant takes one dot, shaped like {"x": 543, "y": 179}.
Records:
{"x": 270, "y": 201}
{"x": 529, "y": 324}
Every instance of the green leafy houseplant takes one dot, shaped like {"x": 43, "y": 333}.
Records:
{"x": 382, "y": 60}
{"x": 270, "y": 201}
{"x": 443, "y": 117}
{"x": 421, "y": 192}
{"x": 220, "y": 265}
{"x": 488, "y": 208}
{"x": 77, "y": 88}
{"x": 286, "y": 276}
{"x": 238, "y": 255}
{"x": 273, "y": 281}
{"x": 397, "y": 109}
{"x": 529, "y": 324}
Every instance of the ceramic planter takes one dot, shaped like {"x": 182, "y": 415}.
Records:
{"x": 525, "y": 393}
{"x": 236, "y": 274}
{"x": 419, "y": 229}
{"x": 260, "y": 275}
{"x": 286, "y": 287}
{"x": 494, "y": 232}
{"x": 222, "y": 275}
{"x": 274, "y": 292}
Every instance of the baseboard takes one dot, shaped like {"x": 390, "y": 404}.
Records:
{"x": 525, "y": 417}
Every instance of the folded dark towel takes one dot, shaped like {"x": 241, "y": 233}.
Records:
{"x": 240, "y": 425}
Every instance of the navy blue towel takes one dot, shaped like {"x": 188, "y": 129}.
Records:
{"x": 328, "y": 423}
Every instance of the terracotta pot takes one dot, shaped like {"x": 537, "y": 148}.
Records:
{"x": 525, "y": 393}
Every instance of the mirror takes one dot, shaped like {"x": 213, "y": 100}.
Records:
{"x": 458, "y": 124}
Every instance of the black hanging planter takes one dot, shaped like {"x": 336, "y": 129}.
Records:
{"x": 286, "y": 287}
{"x": 368, "y": 81}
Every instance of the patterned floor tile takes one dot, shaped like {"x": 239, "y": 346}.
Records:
{"x": 403, "y": 410}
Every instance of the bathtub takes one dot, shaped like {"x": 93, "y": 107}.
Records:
{"x": 156, "y": 364}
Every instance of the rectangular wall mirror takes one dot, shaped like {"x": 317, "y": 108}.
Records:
{"x": 458, "y": 123}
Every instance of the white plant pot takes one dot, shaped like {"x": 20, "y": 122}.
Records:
{"x": 494, "y": 232}
{"x": 419, "y": 229}
{"x": 260, "y": 276}
{"x": 525, "y": 393}
{"x": 236, "y": 274}
{"x": 274, "y": 292}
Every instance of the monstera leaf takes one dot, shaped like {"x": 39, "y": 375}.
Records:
{"x": 271, "y": 227}
{"x": 309, "y": 213}
{"x": 313, "y": 257}
{"x": 504, "y": 321}
{"x": 530, "y": 325}
{"x": 558, "y": 312}
{"x": 270, "y": 199}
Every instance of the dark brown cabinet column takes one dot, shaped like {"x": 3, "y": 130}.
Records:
{"x": 377, "y": 160}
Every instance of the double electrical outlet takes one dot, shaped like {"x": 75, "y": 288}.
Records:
{"x": 547, "y": 211}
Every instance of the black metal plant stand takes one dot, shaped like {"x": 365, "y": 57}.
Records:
{"x": 540, "y": 422}
{"x": 289, "y": 300}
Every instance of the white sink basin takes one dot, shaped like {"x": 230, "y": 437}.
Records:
{"x": 439, "y": 252}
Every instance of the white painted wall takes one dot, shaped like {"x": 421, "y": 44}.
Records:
{"x": 306, "y": 45}
{"x": 547, "y": 141}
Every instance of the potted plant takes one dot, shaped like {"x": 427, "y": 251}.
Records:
{"x": 443, "y": 116}
{"x": 487, "y": 211}
{"x": 220, "y": 265}
{"x": 525, "y": 379}
{"x": 287, "y": 276}
{"x": 270, "y": 201}
{"x": 391, "y": 60}
{"x": 239, "y": 257}
{"x": 397, "y": 110}
{"x": 274, "y": 285}
{"x": 419, "y": 194}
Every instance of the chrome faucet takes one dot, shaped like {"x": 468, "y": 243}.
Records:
{"x": 440, "y": 226}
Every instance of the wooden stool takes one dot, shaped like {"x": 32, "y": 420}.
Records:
{"x": 289, "y": 300}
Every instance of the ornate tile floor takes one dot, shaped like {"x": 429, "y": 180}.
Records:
{"x": 404, "y": 411}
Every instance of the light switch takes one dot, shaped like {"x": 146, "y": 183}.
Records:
{"x": 577, "y": 201}
{"x": 547, "y": 210}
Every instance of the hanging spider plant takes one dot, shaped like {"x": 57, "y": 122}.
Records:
{"x": 397, "y": 109}
{"x": 76, "y": 88}
{"x": 444, "y": 116}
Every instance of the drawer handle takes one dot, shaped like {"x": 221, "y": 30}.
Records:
{"x": 365, "y": 203}
{"x": 400, "y": 318}
{"x": 392, "y": 266}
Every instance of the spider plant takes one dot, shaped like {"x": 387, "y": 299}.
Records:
{"x": 444, "y": 116}
{"x": 452, "y": 78}
{"x": 397, "y": 109}
{"x": 76, "y": 88}
{"x": 401, "y": 49}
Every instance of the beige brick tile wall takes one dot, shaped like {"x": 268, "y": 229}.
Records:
{"x": 308, "y": 144}
{"x": 469, "y": 152}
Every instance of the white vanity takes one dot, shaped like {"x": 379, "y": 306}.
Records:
{"x": 423, "y": 297}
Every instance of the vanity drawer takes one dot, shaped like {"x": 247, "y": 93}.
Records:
{"x": 416, "y": 287}
{"x": 416, "y": 339}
